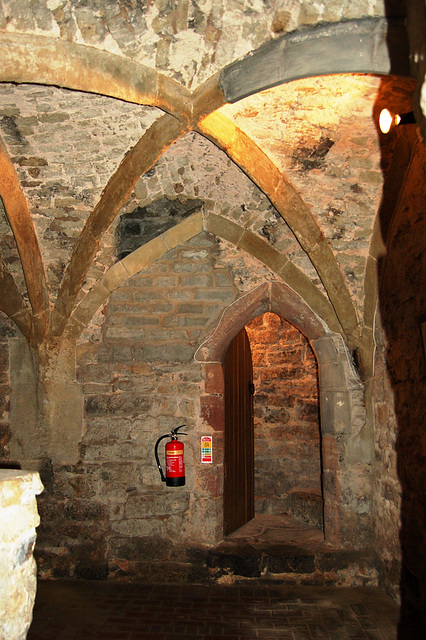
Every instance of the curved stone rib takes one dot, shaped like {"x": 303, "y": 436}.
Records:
{"x": 51, "y": 61}
{"x": 18, "y": 214}
{"x": 12, "y": 303}
{"x": 152, "y": 251}
{"x": 366, "y": 45}
{"x": 256, "y": 164}
{"x": 206, "y": 98}
{"x": 278, "y": 263}
{"x": 161, "y": 135}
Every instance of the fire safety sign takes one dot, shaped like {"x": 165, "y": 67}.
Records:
{"x": 206, "y": 449}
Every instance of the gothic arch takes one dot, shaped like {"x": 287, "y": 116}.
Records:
{"x": 340, "y": 390}
{"x": 222, "y": 228}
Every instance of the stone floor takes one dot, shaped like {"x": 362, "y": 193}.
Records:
{"x": 248, "y": 608}
{"x": 66, "y": 610}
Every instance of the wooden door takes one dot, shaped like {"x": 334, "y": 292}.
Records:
{"x": 238, "y": 498}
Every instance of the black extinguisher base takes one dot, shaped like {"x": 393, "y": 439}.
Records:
{"x": 175, "y": 482}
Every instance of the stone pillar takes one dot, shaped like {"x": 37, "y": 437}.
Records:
{"x": 18, "y": 520}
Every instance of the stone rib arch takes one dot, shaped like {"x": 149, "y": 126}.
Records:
{"x": 256, "y": 164}
{"x": 28, "y": 58}
{"x": 252, "y": 161}
{"x": 367, "y": 45}
{"x": 163, "y": 134}
{"x": 146, "y": 255}
{"x": 18, "y": 214}
{"x": 12, "y": 303}
{"x": 373, "y": 45}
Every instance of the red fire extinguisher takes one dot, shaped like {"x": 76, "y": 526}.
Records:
{"x": 175, "y": 465}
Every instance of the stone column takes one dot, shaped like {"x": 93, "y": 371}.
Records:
{"x": 18, "y": 520}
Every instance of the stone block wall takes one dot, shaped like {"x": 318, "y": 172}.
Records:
{"x": 399, "y": 388}
{"x": 142, "y": 373}
{"x": 18, "y": 521}
{"x": 110, "y": 514}
{"x": 286, "y": 418}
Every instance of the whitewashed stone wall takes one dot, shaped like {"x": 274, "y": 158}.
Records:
{"x": 18, "y": 521}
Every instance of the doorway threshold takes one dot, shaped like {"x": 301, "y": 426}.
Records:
{"x": 266, "y": 529}
{"x": 280, "y": 548}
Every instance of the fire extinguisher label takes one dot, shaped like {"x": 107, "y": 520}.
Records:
{"x": 206, "y": 449}
{"x": 174, "y": 463}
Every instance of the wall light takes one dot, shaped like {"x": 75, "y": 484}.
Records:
{"x": 389, "y": 120}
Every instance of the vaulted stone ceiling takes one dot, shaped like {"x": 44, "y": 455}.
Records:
{"x": 108, "y": 108}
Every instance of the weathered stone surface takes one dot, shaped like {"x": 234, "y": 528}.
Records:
{"x": 399, "y": 468}
{"x": 18, "y": 521}
{"x": 186, "y": 42}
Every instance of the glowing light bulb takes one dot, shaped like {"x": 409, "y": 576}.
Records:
{"x": 386, "y": 121}
{"x": 389, "y": 120}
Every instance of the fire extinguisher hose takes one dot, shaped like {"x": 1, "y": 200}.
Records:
{"x": 163, "y": 478}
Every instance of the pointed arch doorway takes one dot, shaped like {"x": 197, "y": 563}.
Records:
{"x": 339, "y": 391}
{"x": 272, "y": 465}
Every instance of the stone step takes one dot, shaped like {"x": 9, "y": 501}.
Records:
{"x": 316, "y": 565}
{"x": 310, "y": 564}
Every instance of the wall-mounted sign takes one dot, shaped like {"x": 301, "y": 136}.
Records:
{"x": 206, "y": 449}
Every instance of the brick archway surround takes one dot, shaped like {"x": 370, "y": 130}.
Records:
{"x": 339, "y": 392}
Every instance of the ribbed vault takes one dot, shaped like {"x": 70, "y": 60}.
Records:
{"x": 27, "y": 58}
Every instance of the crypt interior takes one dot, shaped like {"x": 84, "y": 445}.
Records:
{"x": 173, "y": 176}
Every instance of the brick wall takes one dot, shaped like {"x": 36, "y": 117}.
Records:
{"x": 287, "y": 435}
{"x": 110, "y": 515}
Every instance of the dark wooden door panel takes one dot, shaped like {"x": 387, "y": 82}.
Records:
{"x": 239, "y": 437}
